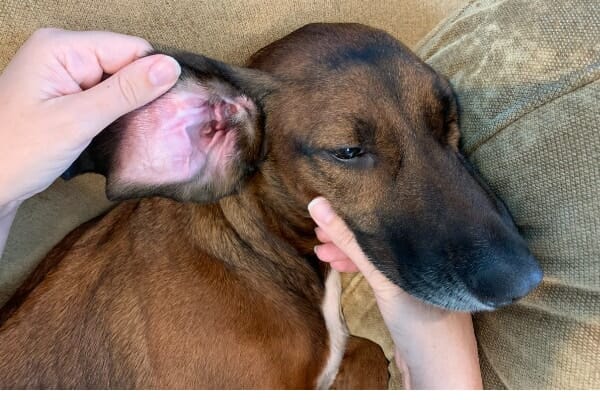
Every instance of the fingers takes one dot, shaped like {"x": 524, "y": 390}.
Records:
{"x": 344, "y": 266}
{"x": 321, "y": 235}
{"x": 130, "y": 88}
{"x": 83, "y": 56}
{"x": 89, "y": 55}
{"x": 332, "y": 227}
{"x": 329, "y": 252}
{"x": 111, "y": 51}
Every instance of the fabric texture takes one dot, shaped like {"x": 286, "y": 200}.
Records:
{"x": 526, "y": 75}
{"x": 527, "y": 78}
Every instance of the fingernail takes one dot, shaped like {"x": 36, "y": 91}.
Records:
{"x": 321, "y": 211}
{"x": 316, "y": 249}
{"x": 164, "y": 71}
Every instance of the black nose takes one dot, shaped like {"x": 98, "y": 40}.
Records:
{"x": 500, "y": 284}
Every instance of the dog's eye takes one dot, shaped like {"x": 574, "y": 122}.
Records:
{"x": 347, "y": 153}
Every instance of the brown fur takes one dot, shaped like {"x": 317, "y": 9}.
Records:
{"x": 119, "y": 311}
{"x": 362, "y": 366}
{"x": 164, "y": 294}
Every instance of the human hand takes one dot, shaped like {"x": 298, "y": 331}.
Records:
{"x": 54, "y": 101}
{"x": 435, "y": 348}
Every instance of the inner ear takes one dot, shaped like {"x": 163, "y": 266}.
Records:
{"x": 197, "y": 142}
{"x": 193, "y": 143}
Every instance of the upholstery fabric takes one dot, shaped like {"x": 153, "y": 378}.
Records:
{"x": 526, "y": 75}
{"x": 527, "y": 78}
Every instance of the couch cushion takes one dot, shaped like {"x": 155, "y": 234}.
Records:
{"x": 527, "y": 78}
{"x": 229, "y": 30}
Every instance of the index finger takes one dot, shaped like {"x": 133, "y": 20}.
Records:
{"x": 112, "y": 50}
{"x": 88, "y": 55}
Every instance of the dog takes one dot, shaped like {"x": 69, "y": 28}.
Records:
{"x": 206, "y": 276}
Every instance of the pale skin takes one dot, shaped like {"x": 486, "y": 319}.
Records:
{"x": 55, "y": 101}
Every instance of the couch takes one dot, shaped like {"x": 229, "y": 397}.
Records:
{"x": 526, "y": 73}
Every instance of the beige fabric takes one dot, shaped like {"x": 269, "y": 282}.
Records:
{"x": 43, "y": 221}
{"x": 527, "y": 75}
{"x": 229, "y": 30}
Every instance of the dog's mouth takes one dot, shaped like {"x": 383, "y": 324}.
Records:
{"x": 470, "y": 278}
{"x": 470, "y": 289}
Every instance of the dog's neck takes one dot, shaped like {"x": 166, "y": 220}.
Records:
{"x": 262, "y": 212}
{"x": 283, "y": 215}
{"x": 259, "y": 224}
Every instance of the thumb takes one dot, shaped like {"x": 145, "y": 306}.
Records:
{"x": 339, "y": 233}
{"x": 128, "y": 89}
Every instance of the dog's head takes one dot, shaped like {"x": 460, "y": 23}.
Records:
{"x": 346, "y": 112}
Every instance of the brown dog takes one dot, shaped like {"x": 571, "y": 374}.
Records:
{"x": 166, "y": 294}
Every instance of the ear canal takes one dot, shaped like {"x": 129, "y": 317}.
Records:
{"x": 197, "y": 142}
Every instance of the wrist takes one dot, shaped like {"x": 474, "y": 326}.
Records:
{"x": 439, "y": 353}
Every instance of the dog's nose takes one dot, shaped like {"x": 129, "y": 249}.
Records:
{"x": 502, "y": 284}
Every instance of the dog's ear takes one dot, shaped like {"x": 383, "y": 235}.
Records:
{"x": 443, "y": 116}
{"x": 197, "y": 142}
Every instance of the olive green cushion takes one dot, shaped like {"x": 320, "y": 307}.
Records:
{"x": 527, "y": 78}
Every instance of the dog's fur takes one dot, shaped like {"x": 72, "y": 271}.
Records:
{"x": 167, "y": 294}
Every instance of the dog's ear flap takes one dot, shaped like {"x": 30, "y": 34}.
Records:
{"x": 197, "y": 142}
{"x": 444, "y": 114}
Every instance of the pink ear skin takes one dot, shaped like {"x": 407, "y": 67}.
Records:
{"x": 189, "y": 134}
